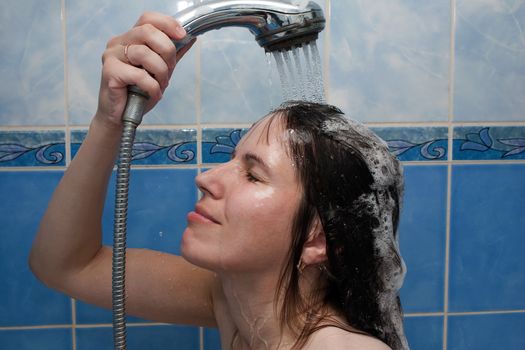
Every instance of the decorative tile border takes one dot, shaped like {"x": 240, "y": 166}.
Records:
{"x": 416, "y": 143}
{"x": 489, "y": 143}
{"x": 179, "y": 146}
{"x": 32, "y": 148}
{"x": 218, "y": 144}
{"x": 408, "y": 144}
{"x": 155, "y": 147}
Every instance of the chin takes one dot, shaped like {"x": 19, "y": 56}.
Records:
{"x": 189, "y": 249}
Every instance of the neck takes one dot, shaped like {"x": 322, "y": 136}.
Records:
{"x": 251, "y": 302}
{"x": 255, "y": 311}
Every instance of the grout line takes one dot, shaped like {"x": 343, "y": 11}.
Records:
{"x": 14, "y": 128}
{"x": 201, "y": 338}
{"x": 74, "y": 323}
{"x": 198, "y": 97}
{"x": 447, "y": 251}
{"x": 129, "y": 324}
{"x": 452, "y": 73}
{"x": 423, "y": 314}
{"x": 68, "y": 152}
{"x": 23, "y": 328}
{"x": 496, "y": 312}
{"x": 154, "y": 324}
{"x": 198, "y": 116}
{"x": 31, "y": 128}
{"x": 452, "y": 61}
{"x": 63, "y": 18}
{"x": 326, "y": 50}
{"x": 31, "y": 168}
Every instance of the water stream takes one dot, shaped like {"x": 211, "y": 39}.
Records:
{"x": 300, "y": 73}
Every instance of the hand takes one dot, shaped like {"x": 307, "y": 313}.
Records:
{"x": 144, "y": 56}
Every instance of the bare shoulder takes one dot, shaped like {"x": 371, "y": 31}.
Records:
{"x": 338, "y": 339}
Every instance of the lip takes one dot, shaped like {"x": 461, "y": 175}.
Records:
{"x": 201, "y": 214}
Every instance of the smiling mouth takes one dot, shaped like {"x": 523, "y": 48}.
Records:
{"x": 201, "y": 215}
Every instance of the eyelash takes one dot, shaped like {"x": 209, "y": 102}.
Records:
{"x": 250, "y": 177}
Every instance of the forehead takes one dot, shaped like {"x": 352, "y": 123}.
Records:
{"x": 269, "y": 131}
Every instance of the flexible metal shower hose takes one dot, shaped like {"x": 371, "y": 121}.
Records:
{"x": 119, "y": 235}
{"x": 131, "y": 118}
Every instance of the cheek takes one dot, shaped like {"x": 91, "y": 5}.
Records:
{"x": 265, "y": 209}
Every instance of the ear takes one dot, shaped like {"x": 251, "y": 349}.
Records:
{"x": 314, "y": 250}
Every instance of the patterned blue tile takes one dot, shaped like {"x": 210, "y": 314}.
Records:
{"x": 32, "y": 63}
{"x": 482, "y": 143}
{"x": 141, "y": 337}
{"x": 26, "y": 301}
{"x": 487, "y": 269}
{"x": 389, "y": 60}
{"x": 416, "y": 144}
{"x": 41, "y": 339}
{"x": 212, "y": 339}
{"x": 486, "y": 332}
{"x": 424, "y": 333}
{"x": 159, "y": 200}
{"x": 155, "y": 147}
{"x": 90, "y": 24}
{"x": 489, "y": 64}
{"x": 218, "y": 144}
{"x": 408, "y": 144}
{"x": 422, "y": 232}
{"x": 32, "y": 148}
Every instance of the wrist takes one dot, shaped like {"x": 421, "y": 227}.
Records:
{"x": 104, "y": 125}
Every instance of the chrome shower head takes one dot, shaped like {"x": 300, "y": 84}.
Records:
{"x": 276, "y": 25}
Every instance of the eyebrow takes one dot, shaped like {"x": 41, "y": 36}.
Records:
{"x": 253, "y": 158}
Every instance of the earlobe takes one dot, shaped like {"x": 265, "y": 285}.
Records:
{"x": 314, "y": 250}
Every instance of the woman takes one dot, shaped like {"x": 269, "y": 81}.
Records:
{"x": 292, "y": 246}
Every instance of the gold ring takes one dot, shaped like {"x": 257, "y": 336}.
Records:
{"x": 126, "y": 48}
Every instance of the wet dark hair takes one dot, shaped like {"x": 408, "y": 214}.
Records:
{"x": 332, "y": 165}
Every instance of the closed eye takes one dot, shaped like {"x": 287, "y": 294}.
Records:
{"x": 250, "y": 177}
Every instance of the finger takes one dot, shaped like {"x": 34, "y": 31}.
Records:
{"x": 143, "y": 56}
{"x": 166, "y": 24}
{"x": 155, "y": 39}
{"x": 119, "y": 75}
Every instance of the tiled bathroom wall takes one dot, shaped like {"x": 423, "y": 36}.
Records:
{"x": 443, "y": 82}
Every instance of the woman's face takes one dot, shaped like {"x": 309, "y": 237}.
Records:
{"x": 243, "y": 221}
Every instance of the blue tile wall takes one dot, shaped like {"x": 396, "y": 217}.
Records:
{"x": 24, "y": 300}
{"x": 389, "y": 60}
{"x": 424, "y": 332}
{"x": 31, "y": 63}
{"x": 422, "y": 238}
{"x": 486, "y": 332}
{"x": 212, "y": 339}
{"x": 489, "y": 60}
{"x": 43, "y": 339}
{"x": 487, "y": 269}
{"x": 441, "y": 82}
{"x": 89, "y": 26}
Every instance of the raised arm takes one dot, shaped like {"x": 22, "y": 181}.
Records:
{"x": 67, "y": 253}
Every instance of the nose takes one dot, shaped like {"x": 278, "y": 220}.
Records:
{"x": 213, "y": 182}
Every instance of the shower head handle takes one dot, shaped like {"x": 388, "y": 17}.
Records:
{"x": 276, "y": 24}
